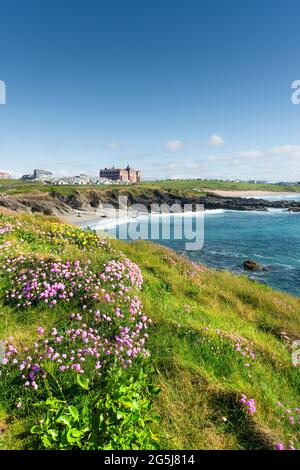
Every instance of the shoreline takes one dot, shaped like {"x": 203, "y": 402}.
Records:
{"x": 214, "y": 202}
{"x": 250, "y": 193}
{"x": 80, "y": 218}
{"x": 87, "y": 207}
{"x": 103, "y": 222}
{"x": 87, "y": 218}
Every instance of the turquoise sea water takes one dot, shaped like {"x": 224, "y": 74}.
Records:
{"x": 271, "y": 238}
{"x": 278, "y": 197}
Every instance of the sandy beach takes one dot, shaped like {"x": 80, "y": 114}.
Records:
{"x": 251, "y": 193}
{"x": 107, "y": 217}
{"x": 81, "y": 218}
{"x": 103, "y": 218}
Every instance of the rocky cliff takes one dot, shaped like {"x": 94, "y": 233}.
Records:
{"x": 59, "y": 203}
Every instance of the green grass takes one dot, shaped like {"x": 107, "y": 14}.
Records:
{"x": 19, "y": 187}
{"x": 203, "y": 185}
{"x": 200, "y": 374}
{"x": 202, "y": 382}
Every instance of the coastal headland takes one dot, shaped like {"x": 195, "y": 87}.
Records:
{"x": 83, "y": 205}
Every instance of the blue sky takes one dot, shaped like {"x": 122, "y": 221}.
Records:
{"x": 185, "y": 88}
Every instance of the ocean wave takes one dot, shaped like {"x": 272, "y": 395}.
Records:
{"x": 112, "y": 222}
{"x": 214, "y": 211}
{"x": 227, "y": 253}
{"x": 256, "y": 212}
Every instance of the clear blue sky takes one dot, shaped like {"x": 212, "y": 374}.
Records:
{"x": 185, "y": 88}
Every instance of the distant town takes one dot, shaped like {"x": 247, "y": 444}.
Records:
{"x": 114, "y": 175}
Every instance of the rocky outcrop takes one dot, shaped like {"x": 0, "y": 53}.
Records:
{"x": 11, "y": 203}
{"x": 251, "y": 265}
{"x": 87, "y": 199}
{"x": 39, "y": 202}
{"x": 60, "y": 203}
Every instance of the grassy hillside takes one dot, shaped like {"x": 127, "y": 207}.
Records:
{"x": 19, "y": 187}
{"x": 200, "y": 317}
{"x": 214, "y": 338}
{"x": 208, "y": 185}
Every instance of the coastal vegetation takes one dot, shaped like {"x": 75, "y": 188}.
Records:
{"x": 209, "y": 185}
{"x": 112, "y": 345}
{"x": 18, "y": 186}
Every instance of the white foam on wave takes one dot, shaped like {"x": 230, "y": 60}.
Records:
{"x": 112, "y": 222}
{"x": 269, "y": 211}
{"x": 107, "y": 223}
{"x": 214, "y": 211}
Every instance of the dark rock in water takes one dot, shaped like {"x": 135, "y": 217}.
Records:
{"x": 293, "y": 209}
{"x": 251, "y": 265}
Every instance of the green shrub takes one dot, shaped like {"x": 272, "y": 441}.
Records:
{"x": 117, "y": 418}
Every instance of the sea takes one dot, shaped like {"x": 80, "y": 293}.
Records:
{"x": 271, "y": 238}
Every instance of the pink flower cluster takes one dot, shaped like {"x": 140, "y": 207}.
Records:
{"x": 197, "y": 269}
{"x": 52, "y": 282}
{"x": 250, "y": 404}
{"x": 94, "y": 339}
{"x": 11, "y": 264}
{"x": 292, "y": 416}
{"x": 79, "y": 349}
{"x": 126, "y": 271}
{"x": 6, "y": 228}
{"x": 281, "y": 446}
{"x": 241, "y": 345}
{"x": 5, "y": 246}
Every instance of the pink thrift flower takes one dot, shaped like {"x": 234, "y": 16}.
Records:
{"x": 292, "y": 420}
{"x": 41, "y": 330}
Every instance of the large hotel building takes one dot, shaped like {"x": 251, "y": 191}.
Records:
{"x": 126, "y": 175}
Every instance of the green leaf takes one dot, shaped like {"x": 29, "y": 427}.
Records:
{"x": 73, "y": 412}
{"x": 108, "y": 447}
{"x": 64, "y": 419}
{"x": 126, "y": 404}
{"x": 53, "y": 433}
{"x": 36, "y": 429}
{"x": 101, "y": 418}
{"x": 85, "y": 415}
{"x": 75, "y": 432}
{"x": 155, "y": 417}
{"x": 135, "y": 405}
{"x": 83, "y": 382}
{"x": 155, "y": 390}
{"x": 51, "y": 401}
{"x": 70, "y": 436}
{"x": 47, "y": 443}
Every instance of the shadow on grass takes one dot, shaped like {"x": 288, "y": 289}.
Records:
{"x": 247, "y": 434}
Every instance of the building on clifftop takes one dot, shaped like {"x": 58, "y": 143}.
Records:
{"x": 126, "y": 175}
